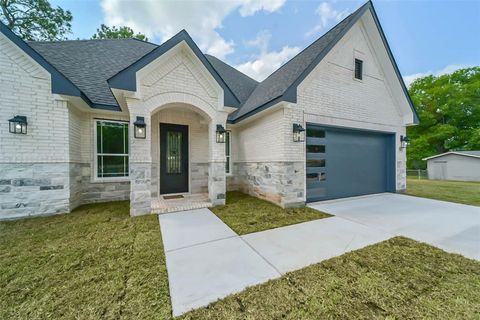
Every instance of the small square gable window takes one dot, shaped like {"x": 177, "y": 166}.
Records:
{"x": 358, "y": 69}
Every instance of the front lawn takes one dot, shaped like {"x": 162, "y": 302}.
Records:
{"x": 99, "y": 263}
{"x": 396, "y": 279}
{"x": 454, "y": 191}
{"x": 246, "y": 214}
{"x": 94, "y": 263}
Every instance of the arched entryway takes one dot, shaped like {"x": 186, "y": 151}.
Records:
{"x": 180, "y": 158}
{"x": 179, "y": 165}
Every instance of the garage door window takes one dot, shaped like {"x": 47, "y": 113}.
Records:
{"x": 316, "y": 149}
{"x": 320, "y": 176}
{"x": 316, "y": 163}
{"x": 315, "y": 133}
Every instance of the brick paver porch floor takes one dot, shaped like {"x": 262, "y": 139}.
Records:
{"x": 187, "y": 202}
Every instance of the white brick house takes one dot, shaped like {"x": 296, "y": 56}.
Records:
{"x": 82, "y": 99}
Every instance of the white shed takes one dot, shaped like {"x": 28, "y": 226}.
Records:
{"x": 454, "y": 165}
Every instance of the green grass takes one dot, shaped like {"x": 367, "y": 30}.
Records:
{"x": 454, "y": 191}
{"x": 396, "y": 279}
{"x": 246, "y": 214}
{"x": 96, "y": 262}
{"x": 99, "y": 263}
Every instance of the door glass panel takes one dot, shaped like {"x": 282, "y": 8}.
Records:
{"x": 174, "y": 152}
{"x": 315, "y": 148}
{"x": 315, "y": 162}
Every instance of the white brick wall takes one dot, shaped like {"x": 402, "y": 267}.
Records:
{"x": 331, "y": 96}
{"x": 261, "y": 139}
{"x": 26, "y": 90}
{"x": 34, "y": 171}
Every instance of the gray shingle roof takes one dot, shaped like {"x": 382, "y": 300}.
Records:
{"x": 89, "y": 63}
{"x": 241, "y": 84}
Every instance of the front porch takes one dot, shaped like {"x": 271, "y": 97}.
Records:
{"x": 183, "y": 165}
{"x": 174, "y": 203}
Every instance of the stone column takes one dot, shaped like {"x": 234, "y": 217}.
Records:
{"x": 216, "y": 163}
{"x": 140, "y": 162}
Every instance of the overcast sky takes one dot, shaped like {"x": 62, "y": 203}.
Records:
{"x": 257, "y": 36}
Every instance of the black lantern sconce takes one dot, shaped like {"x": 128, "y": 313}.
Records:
{"x": 404, "y": 142}
{"x": 18, "y": 125}
{"x": 298, "y": 133}
{"x": 221, "y": 133}
{"x": 140, "y": 131}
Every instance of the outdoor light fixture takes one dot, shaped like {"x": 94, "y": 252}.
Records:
{"x": 404, "y": 142}
{"x": 221, "y": 133}
{"x": 140, "y": 131}
{"x": 298, "y": 133}
{"x": 18, "y": 125}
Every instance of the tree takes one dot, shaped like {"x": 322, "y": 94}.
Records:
{"x": 106, "y": 32}
{"x": 449, "y": 110}
{"x": 35, "y": 19}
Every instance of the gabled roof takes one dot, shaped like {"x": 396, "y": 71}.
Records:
{"x": 282, "y": 84}
{"x": 60, "y": 84}
{"x": 126, "y": 78}
{"x": 90, "y": 68}
{"x": 89, "y": 63}
{"x": 474, "y": 154}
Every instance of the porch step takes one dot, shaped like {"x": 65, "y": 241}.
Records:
{"x": 188, "y": 202}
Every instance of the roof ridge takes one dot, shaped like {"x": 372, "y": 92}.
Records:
{"x": 83, "y": 40}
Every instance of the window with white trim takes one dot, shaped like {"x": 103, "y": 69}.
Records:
{"x": 228, "y": 149}
{"x": 358, "y": 69}
{"x": 112, "y": 149}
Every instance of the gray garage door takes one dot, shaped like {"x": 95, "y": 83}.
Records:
{"x": 344, "y": 163}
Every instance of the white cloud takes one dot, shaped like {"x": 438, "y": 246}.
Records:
{"x": 327, "y": 14}
{"x": 201, "y": 19}
{"x": 266, "y": 62}
{"x": 448, "y": 69}
{"x": 250, "y": 7}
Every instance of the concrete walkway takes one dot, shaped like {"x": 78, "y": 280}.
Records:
{"x": 206, "y": 260}
{"x": 450, "y": 226}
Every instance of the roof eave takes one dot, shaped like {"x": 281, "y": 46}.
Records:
{"x": 59, "y": 82}
{"x": 449, "y": 153}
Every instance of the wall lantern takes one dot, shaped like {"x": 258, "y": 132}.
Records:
{"x": 18, "y": 125}
{"x": 221, "y": 133}
{"x": 404, "y": 142}
{"x": 140, "y": 131}
{"x": 298, "y": 133}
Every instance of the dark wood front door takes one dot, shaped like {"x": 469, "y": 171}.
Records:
{"x": 173, "y": 158}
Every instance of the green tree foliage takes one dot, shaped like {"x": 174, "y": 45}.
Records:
{"x": 35, "y": 19}
{"x": 106, "y": 32}
{"x": 449, "y": 111}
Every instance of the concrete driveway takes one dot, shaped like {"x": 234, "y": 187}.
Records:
{"x": 449, "y": 226}
{"x": 206, "y": 260}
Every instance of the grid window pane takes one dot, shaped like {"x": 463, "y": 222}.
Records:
{"x": 112, "y": 149}
{"x": 112, "y": 166}
{"x": 227, "y": 151}
{"x": 358, "y": 69}
{"x": 174, "y": 152}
